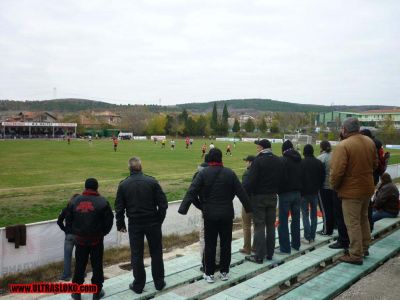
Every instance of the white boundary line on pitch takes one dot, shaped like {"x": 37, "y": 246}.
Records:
{"x": 160, "y": 178}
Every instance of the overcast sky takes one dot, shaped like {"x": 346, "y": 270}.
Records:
{"x": 321, "y": 52}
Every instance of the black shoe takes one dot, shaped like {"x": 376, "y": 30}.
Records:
{"x": 160, "y": 286}
{"x": 99, "y": 295}
{"x": 268, "y": 257}
{"x": 337, "y": 245}
{"x": 254, "y": 259}
{"x": 131, "y": 287}
{"x": 366, "y": 253}
{"x": 76, "y": 296}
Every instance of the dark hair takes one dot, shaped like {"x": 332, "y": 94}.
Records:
{"x": 325, "y": 146}
{"x": 366, "y": 132}
{"x": 206, "y": 158}
{"x": 215, "y": 155}
{"x": 286, "y": 145}
{"x": 92, "y": 184}
{"x": 308, "y": 150}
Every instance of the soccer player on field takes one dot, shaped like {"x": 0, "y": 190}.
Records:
{"x": 203, "y": 150}
{"x": 115, "y": 142}
{"x": 172, "y": 145}
{"x": 187, "y": 142}
{"x": 228, "y": 150}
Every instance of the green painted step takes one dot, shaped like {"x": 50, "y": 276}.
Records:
{"x": 339, "y": 278}
{"x": 178, "y": 271}
{"x": 277, "y": 276}
{"x": 243, "y": 271}
{"x": 201, "y": 289}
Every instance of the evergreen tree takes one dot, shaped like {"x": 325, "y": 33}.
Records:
{"x": 225, "y": 114}
{"x": 169, "y": 125}
{"x": 183, "y": 117}
{"x": 249, "y": 125}
{"x": 214, "y": 119}
{"x": 262, "y": 126}
{"x": 190, "y": 127}
{"x": 236, "y": 126}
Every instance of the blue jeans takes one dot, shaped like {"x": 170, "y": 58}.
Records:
{"x": 289, "y": 202}
{"x": 69, "y": 244}
{"x": 309, "y": 201}
{"x": 381, "y": 214}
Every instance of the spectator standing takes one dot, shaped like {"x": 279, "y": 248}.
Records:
{"x": 262, "y": 183}
{"x": 290, "y": 198}
{"x": 145, "y": 204}
{"x": 69, "y": 242}
{"x": 327, "y": 195}
{"x": 313, "y": 179}
{"x": 91, "y": 218}
{"x": 218, "y": 186}
{"x": 353, "y": 162}
{"x": 377, "y": 172}
{"x": 246, "y": 217}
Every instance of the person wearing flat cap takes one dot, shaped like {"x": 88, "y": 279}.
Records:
{"x": 246, "y": 217}
{"x": 262, "y": 183}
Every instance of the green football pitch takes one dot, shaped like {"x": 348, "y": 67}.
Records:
{"x": 38, "y": 177}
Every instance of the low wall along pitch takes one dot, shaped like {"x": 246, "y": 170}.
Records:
{"x": 45, "y": 240}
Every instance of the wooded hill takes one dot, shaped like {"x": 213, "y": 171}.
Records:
{"x": 249, "y": 105}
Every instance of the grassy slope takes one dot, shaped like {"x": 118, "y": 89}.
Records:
{"x": 38, "y": 177}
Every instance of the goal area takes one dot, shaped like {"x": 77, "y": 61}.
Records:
{"x": 298, "y": 139}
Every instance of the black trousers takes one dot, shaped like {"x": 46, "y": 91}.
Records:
{"x": 154, "y": 239}
{"x": 264, "y": 217}
{"x": 342, "y": 229}
{"x": 82, "y": 254}
{"x": 326, "y": 203}
{"x": 370, "y": 209}
{"x": 213, "y": 229}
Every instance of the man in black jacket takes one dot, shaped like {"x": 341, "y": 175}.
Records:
{"x": 313, "y": 179}
{"x": 145, "y": 204}
{"x": 91, "y": 218}
{"x": 289, "y": 198}
{"x": 262, "y": 183}
{"x": 217, "y": 186}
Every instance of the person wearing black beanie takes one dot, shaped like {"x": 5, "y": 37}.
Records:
{"x": 290, "y": 198}
{"x": 313, "y": 175}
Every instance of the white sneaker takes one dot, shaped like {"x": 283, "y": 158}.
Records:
{"x": 224, "y": 276}
{"x": 208, "y": 278}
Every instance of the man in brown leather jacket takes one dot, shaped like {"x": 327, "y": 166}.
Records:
{"x": 353, "y": 162}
